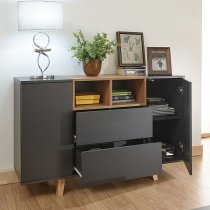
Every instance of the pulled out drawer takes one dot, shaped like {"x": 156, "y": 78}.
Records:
{"x": 95, "y": 127}
{"x": 106, "y": 163}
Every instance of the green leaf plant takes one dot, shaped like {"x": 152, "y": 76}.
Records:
{"x": 99, "y": 48}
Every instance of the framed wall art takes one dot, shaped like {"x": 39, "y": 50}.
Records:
{"x": 159, "y": 61}
{"x": 130, "y": 49}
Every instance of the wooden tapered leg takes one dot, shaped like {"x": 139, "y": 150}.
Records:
{"x": 155, "y": 177}
{"x": 60, "y": 187}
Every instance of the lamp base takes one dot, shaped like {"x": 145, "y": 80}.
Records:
{"x": 42, "y": 77}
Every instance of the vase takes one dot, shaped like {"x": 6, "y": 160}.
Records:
{"x": 93, "y": 67}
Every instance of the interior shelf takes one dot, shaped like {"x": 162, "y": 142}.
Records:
{"x": 168, "y": 117}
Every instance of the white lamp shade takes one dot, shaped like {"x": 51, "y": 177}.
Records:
{"x": 40, "y": 15}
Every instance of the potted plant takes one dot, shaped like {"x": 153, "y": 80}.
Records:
{"x": 92, "y": 53}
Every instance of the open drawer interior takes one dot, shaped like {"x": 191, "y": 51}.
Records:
{"x": 118, "y": 161}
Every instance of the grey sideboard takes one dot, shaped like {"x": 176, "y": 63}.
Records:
{"x": 55, "y": 139}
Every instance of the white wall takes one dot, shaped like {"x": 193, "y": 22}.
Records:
{"x": 174, "y": 23}
{"x": 205, "y": 68}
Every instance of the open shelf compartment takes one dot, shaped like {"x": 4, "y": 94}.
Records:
{"x": 165, "y": 131}
{"x": 138, "y": 88}
{"x": 104, "y": 84}
{"x": 101, "y": 87}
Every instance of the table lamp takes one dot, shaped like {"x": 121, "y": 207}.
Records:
{"x": 41, "y": 16}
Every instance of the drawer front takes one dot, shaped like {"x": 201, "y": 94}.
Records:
{"x": 113, "y": 125}
{"x": 120, "y": 163}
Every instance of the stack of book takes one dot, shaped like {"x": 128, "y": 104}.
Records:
{"x": 85, "y": 98}
{"x": 132, "y": 71}
{"x": 122, "y": 95}
{"x": 160, "y": 107}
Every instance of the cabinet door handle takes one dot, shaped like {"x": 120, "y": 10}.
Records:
{"x": 74, "y": 138}
{"x": 78, "y": 172}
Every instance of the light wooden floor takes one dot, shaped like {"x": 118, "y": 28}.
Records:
{"x": 174, "y": 190}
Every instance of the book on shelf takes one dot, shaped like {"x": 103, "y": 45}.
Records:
{"x": 87, "y": 101}
{"x": 121, "y": 97}
{"x": 121, "y": 92}
{"x": 162, "y": 114}
{"x": 168, "y": 111}
{"x": 124, "y": 101}
{"x": 156, "y": 101}
{"x": 131, "y": 67}
{"x": 131, "y": 72}
{"x": 87, "y": 95}
{"x": 159, "y": 106}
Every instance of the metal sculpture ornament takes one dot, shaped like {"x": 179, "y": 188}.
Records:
{"x": 41, "y": 50}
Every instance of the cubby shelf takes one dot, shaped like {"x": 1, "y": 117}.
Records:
{"x": 168, "y": 117}
{"x": 104, "y": 85}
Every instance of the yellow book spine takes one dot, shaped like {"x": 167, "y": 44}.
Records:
{"x": 88, "y": 97}
{"x": 86, "y": 102}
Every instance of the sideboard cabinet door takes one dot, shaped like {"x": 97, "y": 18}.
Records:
{"x": 175, "y": 131}
{"x": 187, "y": 124}
{"x": 46, "y": 131}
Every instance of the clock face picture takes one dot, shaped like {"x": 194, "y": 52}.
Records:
{"x": 130, "y": 49}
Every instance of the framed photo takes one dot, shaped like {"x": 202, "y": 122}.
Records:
{"x": 131, "y": 49}
{"x": 159, "y": 61}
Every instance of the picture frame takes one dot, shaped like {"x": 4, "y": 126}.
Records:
{"x": 159, "y": 61}
{"x": 130, "y": 49}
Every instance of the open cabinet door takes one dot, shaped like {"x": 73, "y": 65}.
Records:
{"x": 187, "y": 124}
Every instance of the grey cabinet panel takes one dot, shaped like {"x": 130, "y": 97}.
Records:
{"x": 113, "y": 125}
{"x": 45, "y": 164}
{"x": 17, "y": 124}
{"x": 119, "y": 163}
{"x": 46, "y": 131}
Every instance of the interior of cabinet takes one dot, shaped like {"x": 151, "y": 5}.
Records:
{"x": 167, "y": 133}
{"x": 168, "y": 129}
{"x": 170, "y": 90}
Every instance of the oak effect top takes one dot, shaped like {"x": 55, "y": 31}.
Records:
{"x": 106, "y": 77}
